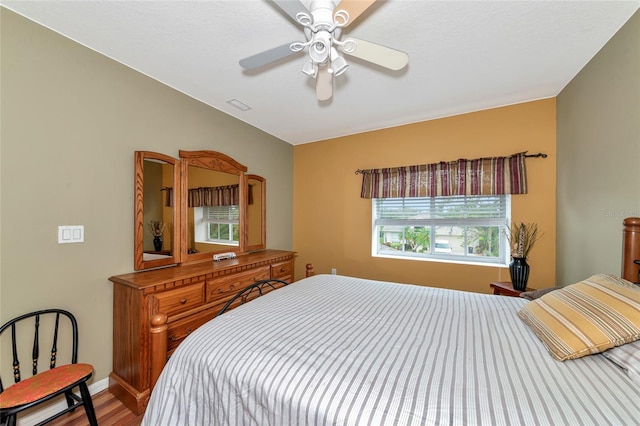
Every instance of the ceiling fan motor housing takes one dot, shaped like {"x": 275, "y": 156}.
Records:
{"x": 322, "y": 11}
{"x": 323, "y": 31}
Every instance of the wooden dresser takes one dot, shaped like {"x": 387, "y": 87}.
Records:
{"x": 189, "y": 295}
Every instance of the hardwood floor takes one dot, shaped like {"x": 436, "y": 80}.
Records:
{"x": 109, "y": 412}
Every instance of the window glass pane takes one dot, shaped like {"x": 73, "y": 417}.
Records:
{"x": 417, "y": 239}
{"x": 446, "y": 238}
{"x": 224, "y": 231}
{"x": 484, "y": 241}
{"x": 214, "y": 232}
{"x": 466, "y": 228}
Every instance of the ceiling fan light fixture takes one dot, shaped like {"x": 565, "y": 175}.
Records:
{"x": 320, "y": 47}
{"x": 338, "y": 64}
{"x": 310, "y": 68}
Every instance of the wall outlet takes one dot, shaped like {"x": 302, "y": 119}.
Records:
{"x": 333, "y": 271}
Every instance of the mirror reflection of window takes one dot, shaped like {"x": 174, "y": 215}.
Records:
{"x": 213, "y": 210}
{"x": 217, "y": 224}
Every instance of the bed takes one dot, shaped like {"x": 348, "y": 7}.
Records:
{"x": 337, "y": 350}
{"x": 340, "y": 350}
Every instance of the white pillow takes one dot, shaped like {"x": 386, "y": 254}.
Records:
{"x": 627, "y": 357}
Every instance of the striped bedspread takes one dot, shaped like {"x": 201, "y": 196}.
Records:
{"x": 334, "y": 350}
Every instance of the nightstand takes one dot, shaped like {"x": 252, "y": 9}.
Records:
{"x": 505, "y": 288}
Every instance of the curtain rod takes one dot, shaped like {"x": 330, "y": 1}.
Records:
{"x": 538, "y": 155}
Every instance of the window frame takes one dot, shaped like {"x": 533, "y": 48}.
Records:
{"x": 202, "y": 225}
{"x": 432, "y": 223}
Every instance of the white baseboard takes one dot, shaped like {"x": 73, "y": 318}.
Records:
{"x": 50, "y": 410}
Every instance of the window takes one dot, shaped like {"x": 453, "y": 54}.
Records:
{"x": 458, "y": 228}
{"x": 219, "y": 225}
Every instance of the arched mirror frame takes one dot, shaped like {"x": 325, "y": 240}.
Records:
{"x": 216, "y": 161}
{"x": 139, "y": 218}
{"x": 262, "y": 211}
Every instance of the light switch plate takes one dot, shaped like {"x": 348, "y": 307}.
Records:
{"x": 70, "y": 234}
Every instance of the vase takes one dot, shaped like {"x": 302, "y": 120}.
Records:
{"x": 157, "y": 243}
{"x": 519, "y": 270}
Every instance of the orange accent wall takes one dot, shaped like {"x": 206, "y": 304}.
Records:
{"x": 332, "y": 224}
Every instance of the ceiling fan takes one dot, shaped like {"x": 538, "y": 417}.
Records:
{"x": 323, "y": 23}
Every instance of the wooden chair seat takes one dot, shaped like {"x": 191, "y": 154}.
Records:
{"x": 47, "y": 383}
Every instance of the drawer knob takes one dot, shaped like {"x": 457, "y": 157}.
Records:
{"x": 282, "y": 269}
{"x": 183, "y": 300}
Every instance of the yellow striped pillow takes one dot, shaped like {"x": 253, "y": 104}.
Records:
{"x": 586, "y": 318}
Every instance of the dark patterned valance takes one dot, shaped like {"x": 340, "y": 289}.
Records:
{"x": 214, "y": 196}
{"x": 222, "y": 194}
{"x": 483, "y": 176}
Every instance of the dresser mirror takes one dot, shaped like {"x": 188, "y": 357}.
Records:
{"x": 213, "y": 205}
{"x": 256, "y": 235}
{"x": 157, "y": 192}
{"x": 200, "y": 204}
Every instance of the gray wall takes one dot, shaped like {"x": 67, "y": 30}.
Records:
{"x": 598, "y": 120}
{"x": 71, "y": 120}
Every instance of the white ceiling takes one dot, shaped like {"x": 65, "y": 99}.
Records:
{"x": 463, "y": 55}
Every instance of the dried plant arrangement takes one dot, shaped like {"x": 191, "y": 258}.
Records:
{"x": 522, "y": 237}
{"x": 156, "y": 227}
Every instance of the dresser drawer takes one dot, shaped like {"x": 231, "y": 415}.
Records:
{"x": 228, "y": 286}
{"x": 179, "y": 330}
{"x": 282, "y": 271}
{"x": 180, "y": 299}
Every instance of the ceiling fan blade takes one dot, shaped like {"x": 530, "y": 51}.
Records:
{"x": 384, "y": 56}
{"x": 266, "y": 57}
{"x": 355, "y": 8}
{"x": 293, "y": 8}
{"x": 324, "y": 84}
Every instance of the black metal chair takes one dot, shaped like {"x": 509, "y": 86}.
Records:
{"x": 251, "y": 292}
{"x": 57, "y": 380}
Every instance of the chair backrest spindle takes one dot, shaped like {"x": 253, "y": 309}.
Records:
{"x": 54, "y": 348}
{"x": 35, "y": 352}
{"x": 16, "y": 362}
